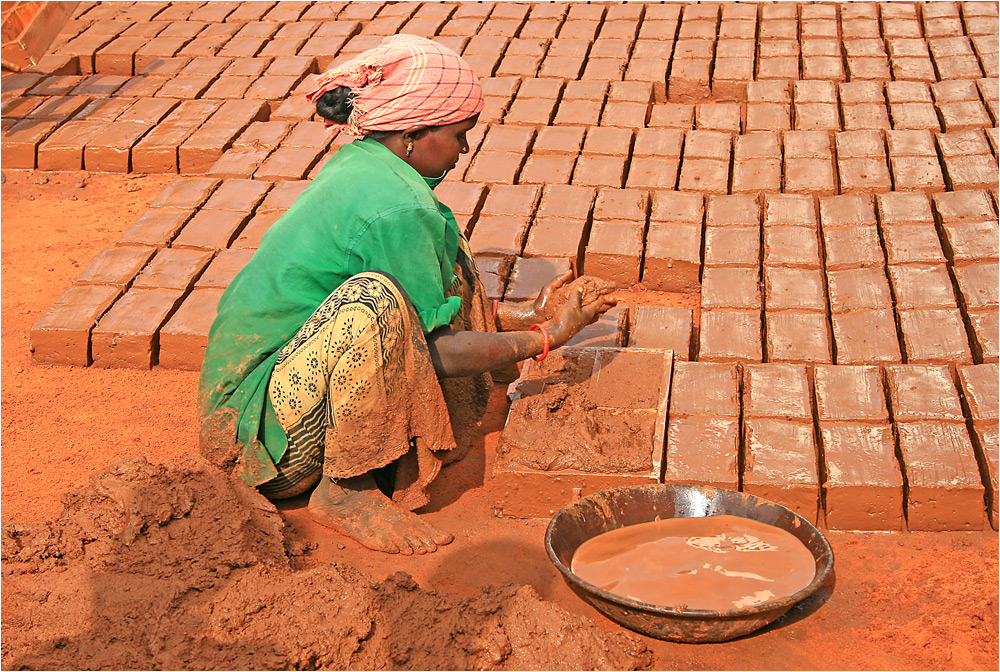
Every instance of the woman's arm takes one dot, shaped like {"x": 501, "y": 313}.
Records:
{"x": 520, "y": 316}
{"x": 466, "y": 353}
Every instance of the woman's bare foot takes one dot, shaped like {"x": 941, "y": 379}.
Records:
{"x": 357, "y": 508}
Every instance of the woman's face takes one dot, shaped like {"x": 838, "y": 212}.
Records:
{"x": 438, "y": 149}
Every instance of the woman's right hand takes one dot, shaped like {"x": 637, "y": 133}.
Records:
{"x": 573, "y": 316}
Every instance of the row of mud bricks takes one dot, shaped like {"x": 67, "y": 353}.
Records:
{"x": 860, "y": 447}
{"x": 901, "y": 277}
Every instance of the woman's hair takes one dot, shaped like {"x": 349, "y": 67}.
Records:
{"x": 337, "y": 105}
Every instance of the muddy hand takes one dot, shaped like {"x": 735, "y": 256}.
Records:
{"x": 543, "y": 303}
{"x": 573, "y": 316}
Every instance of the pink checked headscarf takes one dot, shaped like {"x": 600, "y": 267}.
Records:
{"x": 405, "y": 81}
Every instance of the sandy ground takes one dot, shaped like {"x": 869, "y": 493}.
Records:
{"x": 898, "y": 601}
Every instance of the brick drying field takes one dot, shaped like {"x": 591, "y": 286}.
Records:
{"x": 800, "y": 200}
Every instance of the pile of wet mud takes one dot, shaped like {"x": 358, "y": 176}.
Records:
{"x": 177, "y": 566}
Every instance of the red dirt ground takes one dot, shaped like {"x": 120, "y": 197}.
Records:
{"x": 899, "y": 601}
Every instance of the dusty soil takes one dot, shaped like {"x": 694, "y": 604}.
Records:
{"x": 898, "y": 601}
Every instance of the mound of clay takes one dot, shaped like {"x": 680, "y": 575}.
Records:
{"x": 179, "y": 567}
{"x": 592, "y": 288}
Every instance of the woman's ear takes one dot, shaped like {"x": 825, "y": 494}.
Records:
{"x": 415, "y": 133}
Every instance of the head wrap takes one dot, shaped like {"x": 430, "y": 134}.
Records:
{"x": 405, "y": 81}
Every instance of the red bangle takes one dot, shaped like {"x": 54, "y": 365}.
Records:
{"x": 545, "y": 333}
{"x": 496, "y": 309}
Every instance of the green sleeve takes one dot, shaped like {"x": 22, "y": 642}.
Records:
{"x": 412, "y": 243}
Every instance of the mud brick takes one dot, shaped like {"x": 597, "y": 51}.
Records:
{"x": 776, "y": 391}
{"x": 109, "y": 150}
{"x": 729, "y": 336}
{"x": 852, "y": 248}
{"x": 963, "y": 206}
{"x": 126, "y": 337}
{"x": 239, "y": 162}
{"x": 609, "y": 331}
{"x": 737, "y": 246}
{"x": 496, "y": 167}
{"x": 20, "y": 142}
{"x": 810, "y": 176}
{"x": 789, "y": 210}
{"x": 979, "y": 389}
{"x": 864, "y": 485}
{"x": 961, "y": 143}
{"x": 293, "y": 109}
{"x": 704, "y": 175}
{"x": 173, "y": 269}
{"x": 62, "y": 334}
{"x": 512, "y": 200}
{"x": 917, "y": 173}
{"x": 530, "y": 275}
{"x": 965, "y": 242}
{"x": 118, "y": 56}
{"x": 756, "y": 176}
{"x": 509, "y": 139}
{"x": 185, "y": 87}
{"x": 205, "y": 44}
{"x": 156, "y": 227}
{"x": 247, "y": 67}
{"x": 725, "y": 287}
{"x": 864, "y": 176}
{"x": 866, "y": 116}
{"x": 228, "y": 87}
{"x": 499, "y": 235}
{"x": 808, "y": 145}
{"x": 945, "y": 491}
{"x": 116, "y": 266}
{"x": 735, "y": 210}
{"x": 792, "y": 247}
{"x": 851, "y": 393}
{"x": 703, "y": 451}
{"x": 558, "y": 140}
{"x": 677, "y": 207}
{"x": 141, "y": 86}
{"x": 777, "y": 67}
{"x": 912, "y": 244}
{"x": 147, "y": 110}
{"x": 978, "y": 285}
{"x": 704, "y": 389}
{"x": 237, "y": 195}
{"x": 730, "y": 77}
{"x": 17, "y": 84}
{"x": 577, "y": 112}
{"x": 206, "y": 65}
{"x": 614, "y": 252}
{"x": 99, "y": 85}
{"x": 768, "y": 117}
{"x": 794, "y": 289}
{"x": 84, "y": 47}
{"x": 594, "y": 170}
{"x": 556, "y": 238}
{"x": 211, "y": 230}
{"x": 763, "y": 145}
{"x": 186, "y": 192}
{"x": 272, "y": 87}
{"x": 922, "y": 286}
{"x": 780, "y": 459}
{"x": 547, "y": 169}
{"x": 970, "y": 172}
{"x": 671, "y": 115}
{"x": 689, "y": 81}
{"x": 865, "y": 336}
{"x": 903, "y": 208}
{"x": 666, "y": 327}
{"x": 289, "y": 163}
{"x": 673, "y": 257}
{"x": 963, "y": 115}
{"x": 934, "y": 336}
{"x": 566, "y": 202}
{"x": 494, "y": 282}
{"x": 621, "y": 204}
{"x": 707, "y": 145}
{"x": 795, "y": 336}
{"x": 250, "y": 236}
{"x": 63, "y": 150}
{"x": 816, "y": 116}
{"x": 157, "y": 48}
{"x": 18, "y": 108}
{"x": 858, "y": 289}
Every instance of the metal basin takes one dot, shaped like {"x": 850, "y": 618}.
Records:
{"x": 611, "y": 509}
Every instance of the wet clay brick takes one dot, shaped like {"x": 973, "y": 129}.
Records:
{"x": 732, "y": 246}
{"x": 173, "y": 269}
{"x": 127, "y": 336}
{"x": 985, "y": 330}
{"x": 673, "y": 257}
{"x": 858, "y": 289}
{"x": 499, "y": 235}
{"x": 865, "y": 336}
{"x": 736, "y": 210}
{"x": 662, "y": 327}
{"x": 223, "y": 269}
{"x": 21, "y": 141}
{"x": 250, "y": 236}
{"x": 944, "y": 488}
{"x": 730, "y": 336}
{"x": 934, "y": 336}
{"x": 211, "y": 229}
{"x": 553, "y": 169}
{"x": 963, "y": 206}
{"x": 186, "y": 192}
{"x": 916, "y": 173}
{"x": 62, "y": 334}
{"x": 794, "y": 289}
{"x": 557, "y": 238}
{"x": 705, "y": 389}
{"x": 980, "y": 391}
{"x": 116, "y": 266}
{"x": 864, "y": 484}
{"x": 978, "y": 286}
{"x": 237, "y": 195}
{"x": 109, "y": 151}
{"x": 529, "y": 276}
{"x": 728, "y": 287}
{"x": 912, "y": 244}
{"x": 922, "y": 286}
{"x": 567, "y": 202}
{"x": 512, "y": 200}
{"x": 156, "y": 227}
{"x": 677, "y": 207}
{"x": 852, "y": 393}
{"x": 614, "y": 252}
{"x": 923, "y": 393}
{"x": 241, "y": 163}
{"x": 793, "y": 247}
{"x": 795, "y": 336}
{"x": 703, "y": 451}
{"x": 184, "y": 337}
{"x": 610, "y": 330}
{"x": 776, "y": 391}
{"x": 780, "y": 464}
{"x": 789, "y": 210}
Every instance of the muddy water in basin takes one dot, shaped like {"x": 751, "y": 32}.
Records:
{"x": 718, "y": 563}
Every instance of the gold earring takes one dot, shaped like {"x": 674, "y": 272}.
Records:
{"x": 409, "y": 149}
